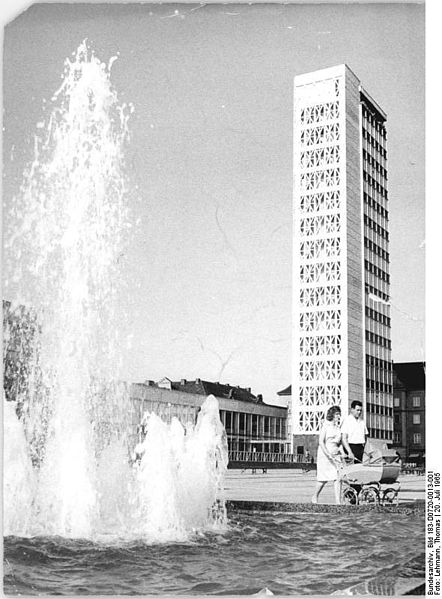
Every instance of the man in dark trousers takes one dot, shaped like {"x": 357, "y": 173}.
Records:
{"x": 354, "y": 432}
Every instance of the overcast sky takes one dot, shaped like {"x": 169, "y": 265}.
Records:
{"x": 209, "y": 266}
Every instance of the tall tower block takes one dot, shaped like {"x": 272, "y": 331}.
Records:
{"x": 341, "y": 300}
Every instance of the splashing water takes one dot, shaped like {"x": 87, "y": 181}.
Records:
{"x": 19, "y": 479}
{"x": 65, "y": 233}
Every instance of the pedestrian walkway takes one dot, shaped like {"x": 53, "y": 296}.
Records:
{"x": 296, "y": 486}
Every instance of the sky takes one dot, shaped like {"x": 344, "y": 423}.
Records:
{"x": 208, "y": 265}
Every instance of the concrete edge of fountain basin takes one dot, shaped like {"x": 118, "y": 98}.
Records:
{"x": 409, "y": 507}
{"x": 397, "y": 586}
{"x": 396, "y": 580}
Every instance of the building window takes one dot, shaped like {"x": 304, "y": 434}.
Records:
{"x": 397, "y": 402}
{"x": 279, "y": 428}
{"x": 242, "y": 424}
{"x": 229, "y": 422}
{"x": 417, "y": 438}
{"x": 416, "y": 418}
{"x": 254, "y": 425}
{"x": 416, "y": 401}
{"x": 397, "y": 437}
{"x": 266, "y": 426}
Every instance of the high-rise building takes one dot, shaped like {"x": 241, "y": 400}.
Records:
{"x": 341, "y": 310}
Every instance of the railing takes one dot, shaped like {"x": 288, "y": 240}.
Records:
{"x": 260, "y": 456}
{"x": 413, "y": 469}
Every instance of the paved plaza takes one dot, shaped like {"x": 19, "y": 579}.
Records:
{"x": 296, "y": 486}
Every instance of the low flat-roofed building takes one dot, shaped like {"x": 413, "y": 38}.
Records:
{"x": 251, "y": 425}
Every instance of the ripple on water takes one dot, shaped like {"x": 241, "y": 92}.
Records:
{"x": 297, "y": 554}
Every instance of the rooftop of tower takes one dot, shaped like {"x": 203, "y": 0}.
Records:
{"x": 339, "y": 70}
{"x": 372, "y": 105}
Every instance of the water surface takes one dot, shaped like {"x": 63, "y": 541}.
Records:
{"x": 297, "y": 554}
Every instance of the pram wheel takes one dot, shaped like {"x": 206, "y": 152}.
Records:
{"x": 349, "y": 496}
{"x": 369, "y": 495}
{"x": 389, "y": 495}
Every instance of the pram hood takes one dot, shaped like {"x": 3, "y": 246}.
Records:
{"x": 377, "y": 452}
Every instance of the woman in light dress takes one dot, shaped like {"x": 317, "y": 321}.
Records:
{"x": 329, "y": 455}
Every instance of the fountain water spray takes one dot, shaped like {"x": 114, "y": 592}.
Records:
{"x": 65, "y": 233}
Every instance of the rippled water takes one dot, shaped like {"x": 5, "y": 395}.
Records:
{"x": 315, "y": 553}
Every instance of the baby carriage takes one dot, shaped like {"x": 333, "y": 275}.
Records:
{"x": 374, "y": 480}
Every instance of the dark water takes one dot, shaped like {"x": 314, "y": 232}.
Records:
{"x": 297, "y": 554}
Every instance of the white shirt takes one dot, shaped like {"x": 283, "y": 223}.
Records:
{"x": 355, "y": 429}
